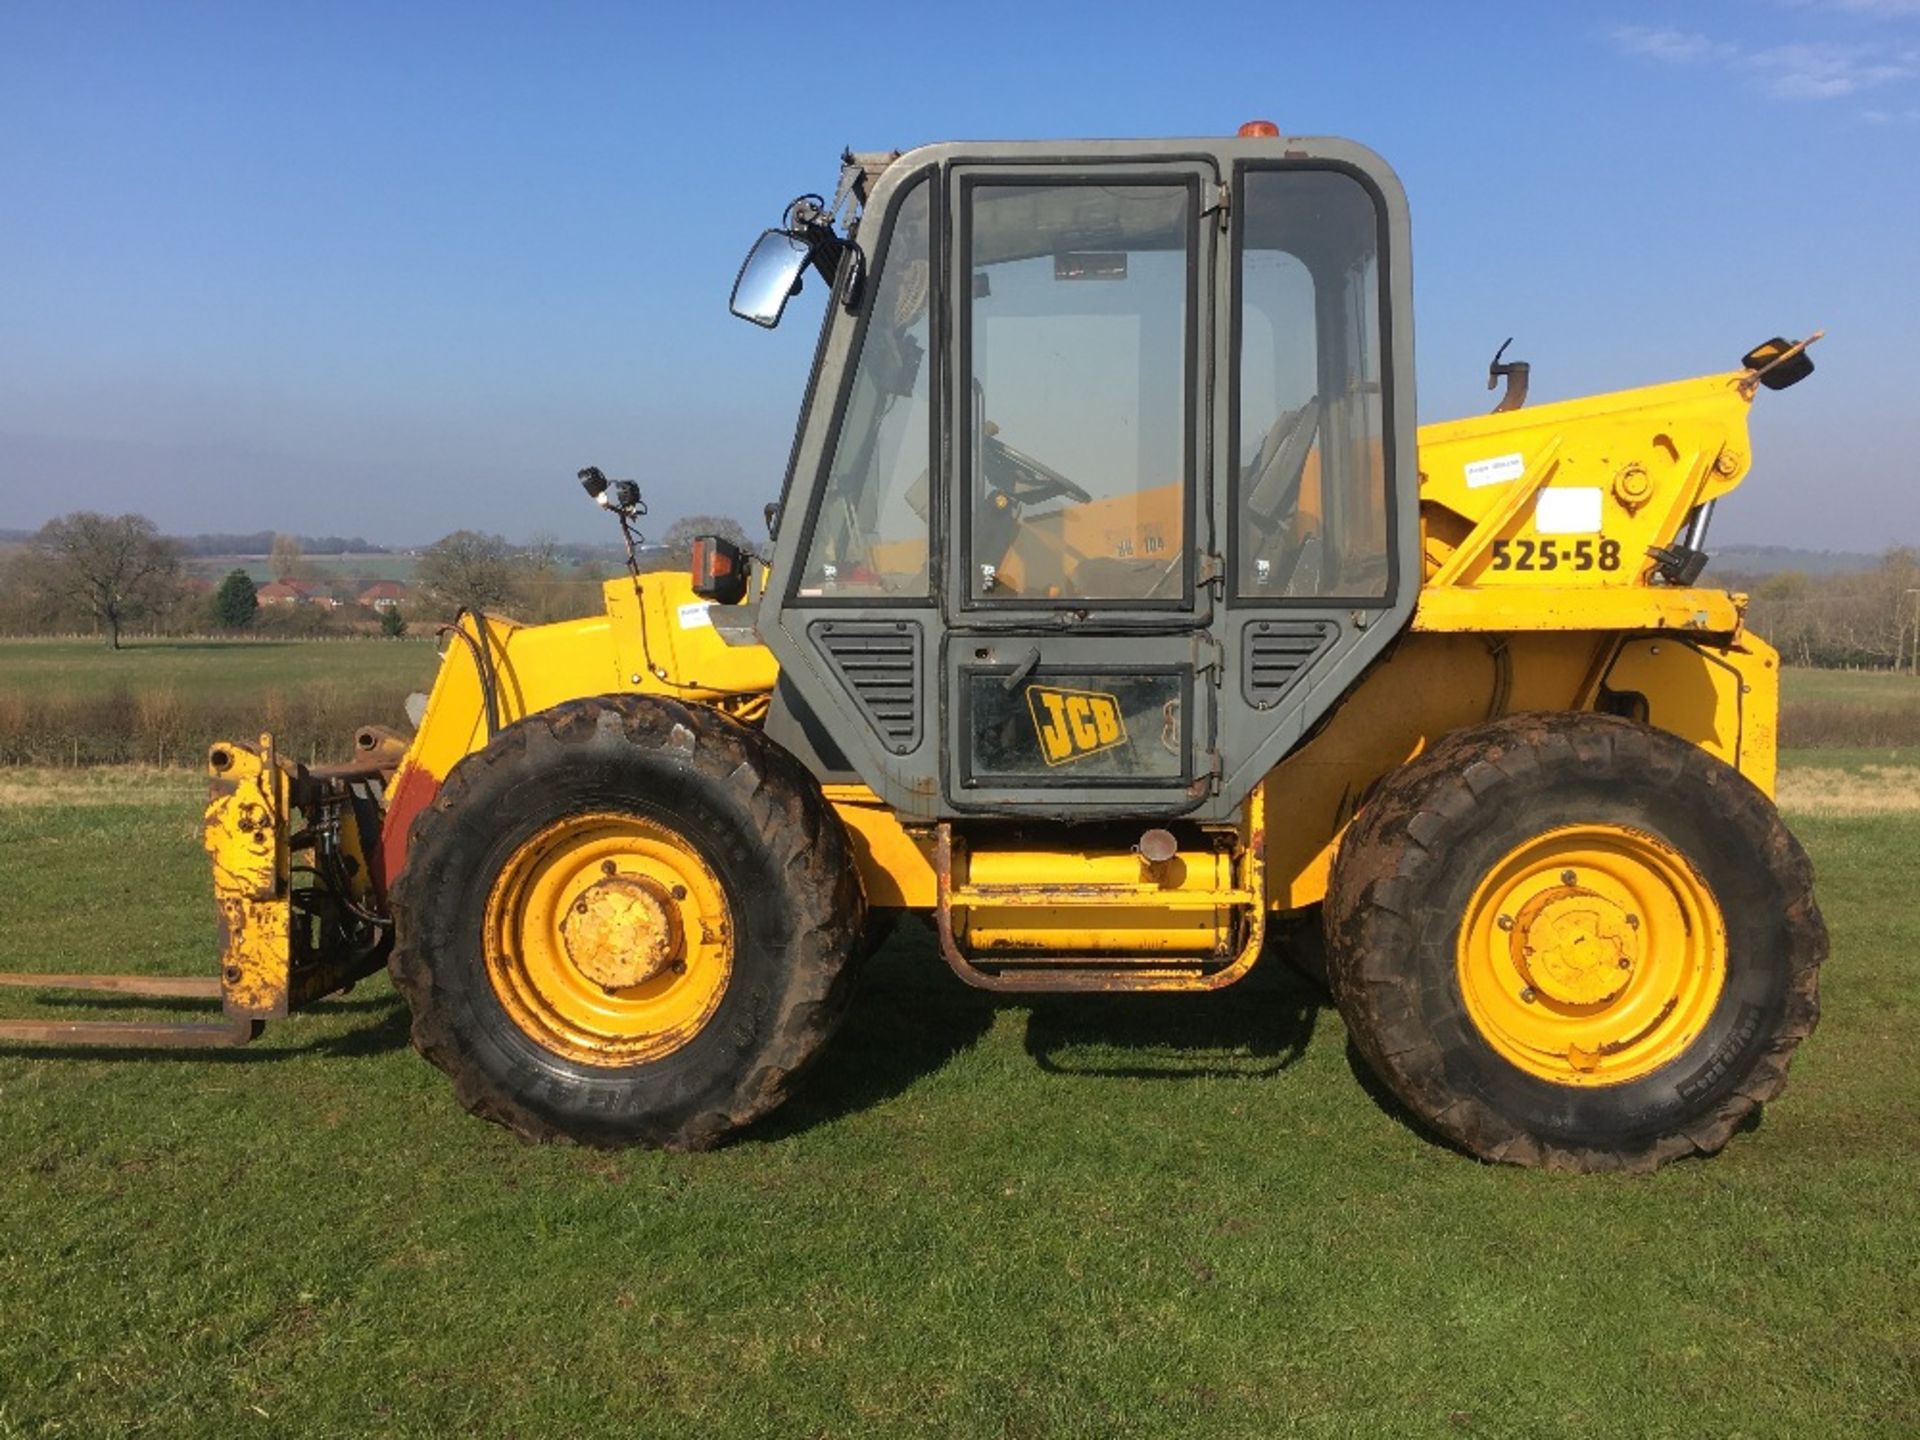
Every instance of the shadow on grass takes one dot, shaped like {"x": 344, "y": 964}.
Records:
{"x": 1252, "y": 1029}
{"x": 910, "y": 1016}
{"x": 1389, "y": 1104}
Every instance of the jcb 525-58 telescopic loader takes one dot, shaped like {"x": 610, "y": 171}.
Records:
{"x": 1115, "y": 612}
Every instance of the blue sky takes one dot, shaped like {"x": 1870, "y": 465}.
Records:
{"x": 396, "y": 269}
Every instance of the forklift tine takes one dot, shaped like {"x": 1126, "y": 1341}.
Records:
{"x": 131, "y": 1035}
{"x": 156, "y": 987}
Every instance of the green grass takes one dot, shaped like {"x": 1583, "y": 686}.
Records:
{"x": 1851, "y": 758}
{"x": 1849, "y": 709}
{"x": 211, "y": 667}
{"x": 65, "y": 701}
{"x": 1078, "y": 1217}
{"x": 1854, "y": 687}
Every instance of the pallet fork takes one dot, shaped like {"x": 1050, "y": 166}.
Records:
{"x": 296, "y": 893}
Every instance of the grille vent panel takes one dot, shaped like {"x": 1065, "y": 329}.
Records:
{"x": 878, "y": 663}
{"x": 1274, "y": 653}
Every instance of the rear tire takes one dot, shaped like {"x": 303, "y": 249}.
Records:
{"x": 753, "y": 835}
{"x": 1575, "y": 942}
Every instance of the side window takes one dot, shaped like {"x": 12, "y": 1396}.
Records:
{"x": 1310, "y": 501}
{"x": 870, "y": 534}
{"x": 1078, "y": 346}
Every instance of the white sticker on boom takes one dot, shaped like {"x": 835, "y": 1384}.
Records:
{"x": 696, "y": 613}
{"x": 1496, "y": 471}
{"x": 1568, "y": 510}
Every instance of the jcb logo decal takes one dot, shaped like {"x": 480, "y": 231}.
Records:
{"x": 1073, "y": 724}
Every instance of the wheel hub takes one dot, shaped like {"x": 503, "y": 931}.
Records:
{"x": 1574, "y": 946}
{"x": 1591, "y": 954}
{"x": 609, "y": 938}
{"x": 622, "y": 931}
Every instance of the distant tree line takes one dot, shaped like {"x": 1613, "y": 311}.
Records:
{"x": 1861, "y": 619}
{"x": 253, "y": 543}
{"x": 542, "y": 580}
{"x": 114, "y": 573}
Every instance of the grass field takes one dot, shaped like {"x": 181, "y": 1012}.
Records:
{"x": 1854, "y": 687}
{"x": 1849, "y": 708}
{"x": 62, "y": 700}
{"x": 87, "y": 669}
{"x": 1092, "y": 1217}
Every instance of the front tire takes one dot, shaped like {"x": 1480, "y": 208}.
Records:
{"x": 626, "y": 921}
{"x": 1575, "y": 942}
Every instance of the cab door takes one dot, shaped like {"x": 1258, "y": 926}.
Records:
{"x": 1078, "y": 538}
{"x": 1106, "y": 489}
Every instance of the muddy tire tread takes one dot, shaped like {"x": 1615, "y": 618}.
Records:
{"x": 793, "y": 822}
{"x": 1404, "y": 836}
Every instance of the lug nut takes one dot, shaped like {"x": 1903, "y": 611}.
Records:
{"x": 1528, "y": 996}
{"x": 606, "y": 867}
{"x": 1633, "y": 922}
{"x": 1505, "y": 922}
{"x": 1566, "y": 877}
{"x": 580, "y": 907}
{"x": 679, "y": 892}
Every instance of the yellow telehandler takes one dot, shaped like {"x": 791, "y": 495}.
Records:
{"x": 1115, "y": 615}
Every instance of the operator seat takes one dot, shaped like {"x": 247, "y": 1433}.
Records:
{"x": 1270, "y": 493}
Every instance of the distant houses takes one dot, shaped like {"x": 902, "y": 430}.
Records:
{"x": 379, "y": 597}
{"x": 384, "y": 595}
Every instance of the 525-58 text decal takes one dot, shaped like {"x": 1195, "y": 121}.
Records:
{"x": 1552, "y": 554}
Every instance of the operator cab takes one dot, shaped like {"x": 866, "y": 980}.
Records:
{"x": 1105, "y": 487}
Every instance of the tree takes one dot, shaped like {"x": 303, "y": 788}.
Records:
{"x": 540, "y": 576}
{"x": 115, "y": 568}
{"x": 236, "y": 602}
{"x": 541, "y": 556}
{"x": 470, "y": 569}
{"x": 682, "y": 533}
{"x": 392, "y": 623}
{"x": 288, "y": 561}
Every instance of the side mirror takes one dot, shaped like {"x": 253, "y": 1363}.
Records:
{"x": 770, "y": 276}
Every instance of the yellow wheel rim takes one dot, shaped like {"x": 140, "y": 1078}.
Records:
{"x": 1592, "y": 955}
{"x": 608, "y": 939}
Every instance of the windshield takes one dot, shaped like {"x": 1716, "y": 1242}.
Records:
{"x": 870, "y": 535}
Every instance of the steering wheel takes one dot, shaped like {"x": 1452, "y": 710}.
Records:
{"x": 1024, "y": 479}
